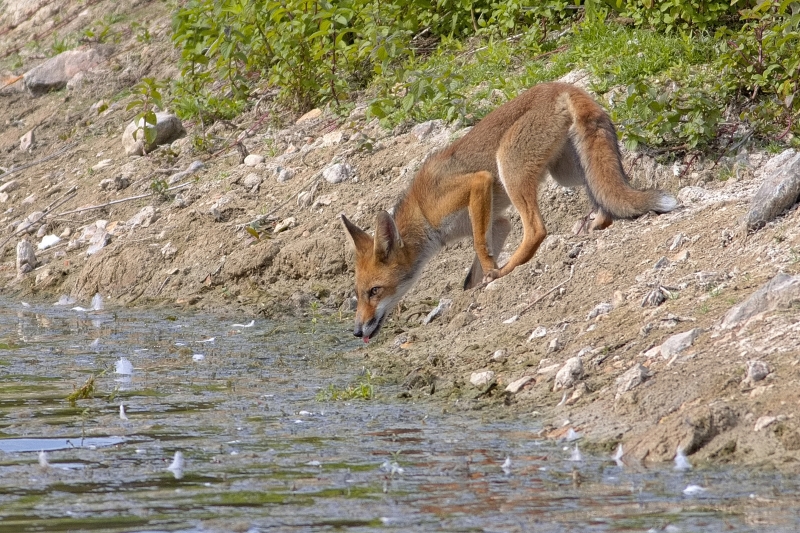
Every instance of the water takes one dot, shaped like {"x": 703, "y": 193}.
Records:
{"x": 260, "y": 452}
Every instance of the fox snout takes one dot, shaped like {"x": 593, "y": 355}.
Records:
{"x": 367, "y": 329}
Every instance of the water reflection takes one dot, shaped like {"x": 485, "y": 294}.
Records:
{"x": 236, "y": 441}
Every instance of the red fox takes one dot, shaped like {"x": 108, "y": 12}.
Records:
{"x": 465, "y": 189}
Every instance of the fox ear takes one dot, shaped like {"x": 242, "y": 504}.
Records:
{"x": 387, "y": 236}
{"x": 359, "y": 239}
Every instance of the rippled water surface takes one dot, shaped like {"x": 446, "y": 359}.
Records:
{"x": 264, "y": 450}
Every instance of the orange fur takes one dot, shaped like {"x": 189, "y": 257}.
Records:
{"x": 465, "y": 189}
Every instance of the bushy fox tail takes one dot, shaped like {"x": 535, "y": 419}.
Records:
{"x": 594, "y": 138}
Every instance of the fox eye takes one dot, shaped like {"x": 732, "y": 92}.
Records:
{"x": 374, "y": 291}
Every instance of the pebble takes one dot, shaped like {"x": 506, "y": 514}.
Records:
{"x": 146, "y": 216}
{"x": 253, "y": 159}
{"x": 252, "y": 181}
{"x": 538, "y": 333}
{"x": 763, "y": 422}
{"x": 481, "y": 379}
{"x": 756, "y": 371}
{"x": 338, "y": 172}
{"x": 286, "y": 223}
{"x": 499, "y": 356}
{"x": 27, "y": 141}
{"x": 282, "y": 174}
{"x": 602, "y": 308}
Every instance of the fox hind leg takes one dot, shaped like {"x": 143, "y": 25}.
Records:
{"x": 501, "y": 227}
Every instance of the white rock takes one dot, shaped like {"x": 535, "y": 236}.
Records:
{"x": 9, "y": 186}
{"x": 571, "y": 372}
{"x": 282, "y": 174}
{"x": 515, "y": 386}
{"x": 538, "y": 333}
{"x": 253, "y": 159}
{"x": 286, "y": 223}
{"x": 332, "y": 138}
{"x": 499, "y": 356}
{"x": 678, "y": 343}
{"x": 632, "y": 378}
{"x": 48, "y": 241}
{"x": 251, "y": 181}
{"x": 146, "y": 216}
{"x": 168, "y": 251}
{"x": 338, "y": 173}
{"x": 481, "y": 379}
{"x": 103, "y": 164}
{"x": 763, "y": 422}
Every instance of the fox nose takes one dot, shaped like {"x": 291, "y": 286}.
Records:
{"x": 358, "y": 331}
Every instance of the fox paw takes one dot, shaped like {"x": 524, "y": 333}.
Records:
{"x": 491, "y": 275}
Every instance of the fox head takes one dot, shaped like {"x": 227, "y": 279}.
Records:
{"x": 382, "y": 274}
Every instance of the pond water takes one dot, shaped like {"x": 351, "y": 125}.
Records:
{"x": 233, "y": 428}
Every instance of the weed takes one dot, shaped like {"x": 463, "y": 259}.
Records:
{"x": 83, "y": 392}
{"x": 148, "y": 96}
{"x": 362, "y": 389}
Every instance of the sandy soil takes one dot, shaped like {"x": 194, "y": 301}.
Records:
{"x": 192, "y": 258}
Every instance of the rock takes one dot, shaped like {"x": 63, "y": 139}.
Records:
{"x": 26, "y": 141}
{"x": 106, "y": 184}
{"x": 26, "y": 257}
{"x": 632, "y": 378}
{"x": 681, "y": 257}
{"x": 781, "y": 292}
{"x": 53, "y": 74}
{"x": 48, "y": 241}
{"x": 554, "y": 346}
{"x": 146, "y": 216}
{"x": 29, "y": 222}
{"x": 481, "y": 379}
{"x": 253, "y": 159}
{"x": 168, "y": 251}
{"x": 332, "y": 138}
{"x": 426, "y": 129}
{"x": 9, "y": 186}
{"x": 168, "y": 128}
{"x": 538, "y": 333}
{"x": 444, "y": 305}
{"x": 516, "y": 386}
{"x": 66, "y": 233}
{"x": 691, "y": 195}
{"x": 678, "y": 343}
{"x": 756, "y": 371}
{"x": 305, "y": 198}
{"x": 676, "y": 242}
{"x": 618, "y": 299}
{"x": 580, "y": 77}
{"x": 571, "y": 372}
{"x": 778, "y": 192}
{"x": 103, "y": 164}
{"x": 98, "y": 241}
{"x": 98, "y": 107}
{"x": 602, "y": 308}
{"x": 252, "y": 181}
{"x": 338, "y": 173}
{"x": 43, "y": 276}
{"x": 283, "y": 174}
{"x": 3, "y": 197}
{"x": 499, "y": 356}
{"x": 193, "y": 167}
{"x": 661, "y": 263}
{"x": 283, "y": 225}
{"x": 311, "y": 115}
{"x": 29, "y": 199}
{"x": 763, "y": 422}
{"x": 218, "y": 208}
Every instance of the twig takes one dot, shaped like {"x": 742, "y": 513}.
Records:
{"x": 121, "y": 200}
{"x": 42, "y": 160}
{"x": 46, "y": 211}
{"x": 543, "y": 296}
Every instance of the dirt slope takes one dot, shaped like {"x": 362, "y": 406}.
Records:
{"x": 193, "y": 250}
